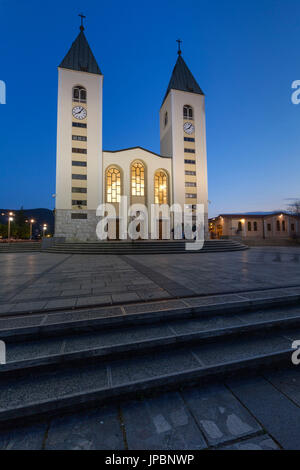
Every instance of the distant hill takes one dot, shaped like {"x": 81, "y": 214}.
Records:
{"x": 41, "y": 217}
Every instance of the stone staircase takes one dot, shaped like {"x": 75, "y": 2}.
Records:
{"x": 20, "y": 247}
{"x": 58, "y": 362}
{"x": 142, "y": 247}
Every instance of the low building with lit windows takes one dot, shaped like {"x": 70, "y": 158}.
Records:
{"x": 87, "y": 175}
{"x": 255, "y": 225}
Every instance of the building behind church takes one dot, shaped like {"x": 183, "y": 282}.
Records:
{"x": 87, "y": 176}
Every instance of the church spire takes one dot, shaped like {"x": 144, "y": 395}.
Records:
{"x": 182, "y": 78}
{"x": 80, "y": 56}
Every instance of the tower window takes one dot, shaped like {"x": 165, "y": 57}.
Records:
{"x": 190, "y": 162}
{"x": 79, "y": 94}
{"x": 166, "y": 118}
{"x": 161, "y": 187}
{"x": 113, "y": 185}
{"x": 188, "y": 112}
{"x": 137, "y": 179}
{"x": 189, "y": 150}
{"x": 190, "y": 196}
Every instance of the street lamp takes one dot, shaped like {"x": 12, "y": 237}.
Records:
{"x": 31, "y": 222}
{"x": 10, "y": 219}
{"x": 44, "y": 229}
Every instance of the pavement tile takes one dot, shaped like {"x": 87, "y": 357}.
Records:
{"x": 278, "y": 415}
{"x": 24, "y": 438}
{"x": 219, "y": 414}
{"x": 98, "y": 429}
{"x": 161, "y": 423}
{"x": 264, "y": 442}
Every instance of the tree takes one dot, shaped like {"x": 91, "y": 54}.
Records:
{"x": 294, "y": 208}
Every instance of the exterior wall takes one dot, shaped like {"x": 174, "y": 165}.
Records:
{"x": 152, "y": 162}
{"x": 75, "y": 230}
{"x": 174, "y": 140}
{"x": 266, "y": 226}
{"x": 93, "y": 84}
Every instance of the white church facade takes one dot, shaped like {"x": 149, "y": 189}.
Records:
{"x": 87, "y": 176}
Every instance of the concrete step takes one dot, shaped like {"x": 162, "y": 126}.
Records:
{"x": 20, "y": 247}
{"x": 115, "y": 342}
{"x": 60, "y": 373}
{"x": 142, "y": 247}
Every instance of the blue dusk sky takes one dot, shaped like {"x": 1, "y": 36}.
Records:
{"x": 243, "y": 53}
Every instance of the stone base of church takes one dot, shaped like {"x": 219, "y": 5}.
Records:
{"x": 84, "y": 229}
{"x": 71, "y": 229}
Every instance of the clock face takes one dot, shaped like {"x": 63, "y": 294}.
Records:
{"x": 79, "y": 112}
{"x": 188, "y": 128}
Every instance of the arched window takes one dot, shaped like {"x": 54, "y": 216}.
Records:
{"x": 188, "y": 112}
{"x": 255, "y": 226}
{"x": 137, "y": 179}
{"x": 79, "y": 94}
{"x": 283, "y": 225}
{"x": 166, "y": 118}
{"x": 249, "y": 227}
{"x": 161, "y": 187}
{"x": 113, "y": 184}
{"x": 278, "y": 225}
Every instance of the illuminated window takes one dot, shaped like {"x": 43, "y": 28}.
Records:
{"x": 113, "y": 185}
{"x": 79, "y": 94}
{"x": 137, "y": 179}
{"x": 188, "y": 112}
{"x": 161, "y": 187}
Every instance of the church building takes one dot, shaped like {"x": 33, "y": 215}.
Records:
{"x": 87, "y": 175}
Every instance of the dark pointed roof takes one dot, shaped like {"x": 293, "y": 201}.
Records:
{"x": 80, "y": 57}
{"x": 182, "y": 79}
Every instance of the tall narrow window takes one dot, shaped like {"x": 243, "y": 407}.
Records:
{"x": 255, "y": 226}
{"x": 137, "y": 179}
{"x": 249, "y": 227}
{"x": 278, "y": 225}
{"x": 79, "y": 94}
{"x": 113, "y": 185}
{"x": 161, "y": 187}
{"x": 240, "y": 226}
{"x": 166, "y": 118}
{"x": 283, "y": 225}
{"x": 188, "y": 112}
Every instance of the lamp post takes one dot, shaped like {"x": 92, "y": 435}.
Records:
{"x": 44, "y": 229}
{"x": 31, "y": 222}
{"x": 10, "y": 219}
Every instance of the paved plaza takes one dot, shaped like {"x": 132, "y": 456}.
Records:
{"x": 260, "y": 410}
{"x": 41, "y": 281}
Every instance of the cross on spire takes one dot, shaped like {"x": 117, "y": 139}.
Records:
{"x": 82, "y": 17}
{"x": 179, "y": 48}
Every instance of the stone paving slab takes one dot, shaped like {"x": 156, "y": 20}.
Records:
{"x": 219, "y": 414}
{"x": 90, "y": 430}
{"x": 278, "y": 415}
{"x": 27, "y": 438}
{"x": 264, "y": 442}
{"x": 161, "y": 423}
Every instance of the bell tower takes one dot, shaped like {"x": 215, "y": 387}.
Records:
{"x": 183, "y": 136}
{"x": 79, "y": 142}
